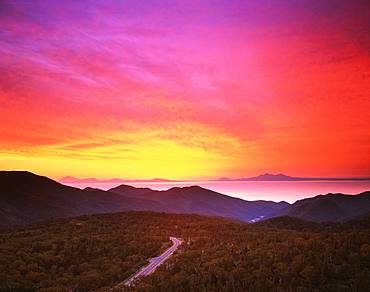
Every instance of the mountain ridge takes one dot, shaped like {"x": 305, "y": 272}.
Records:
{"x": 198, "y": 200}
{"x": 330, "y": 207}
{"x": 26, "y": 197}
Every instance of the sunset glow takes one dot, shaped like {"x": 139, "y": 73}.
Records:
{"x": 185, "y": 89}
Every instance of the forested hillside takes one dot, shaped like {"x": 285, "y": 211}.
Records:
{"x": 96, "y": 252}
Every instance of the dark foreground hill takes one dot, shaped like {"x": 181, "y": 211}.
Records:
{"x": 96, "y": 252}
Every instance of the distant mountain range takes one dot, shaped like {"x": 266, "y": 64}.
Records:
{"x": 262, "y": 177}
{"x": 283, "y": 177}
{"x": 71, "y": 179}
{"x": 26, "y": 198}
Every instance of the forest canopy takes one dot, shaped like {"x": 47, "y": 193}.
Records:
{"x": 99, "y": 251}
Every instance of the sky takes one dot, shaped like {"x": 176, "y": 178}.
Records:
{"x": 185, "y": 89}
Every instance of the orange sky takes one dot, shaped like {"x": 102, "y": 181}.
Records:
{"x": 185, "y": 90}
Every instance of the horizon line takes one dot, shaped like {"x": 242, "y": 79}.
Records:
{"x": 223, "y": 178}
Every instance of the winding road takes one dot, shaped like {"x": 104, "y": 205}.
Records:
{"x": 153, "y": 264}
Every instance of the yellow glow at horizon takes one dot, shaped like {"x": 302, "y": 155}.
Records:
{"x": 158, "y": 158}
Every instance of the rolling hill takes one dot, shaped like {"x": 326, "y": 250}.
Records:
{"x": 197, "y": 200}
{"x": 27, "y": 198}
{"x": 330, "y": 207}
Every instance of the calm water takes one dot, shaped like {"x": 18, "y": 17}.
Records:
{"x": 289, "y": 191}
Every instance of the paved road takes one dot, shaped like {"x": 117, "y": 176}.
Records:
{"x": 153, "y": 264}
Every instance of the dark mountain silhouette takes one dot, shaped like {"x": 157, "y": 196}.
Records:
{"x": 26, "y": 198}
{"x": 330, "y": 207}
{"x": 130, "y": 191}
{"x": 198, "y": 200}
